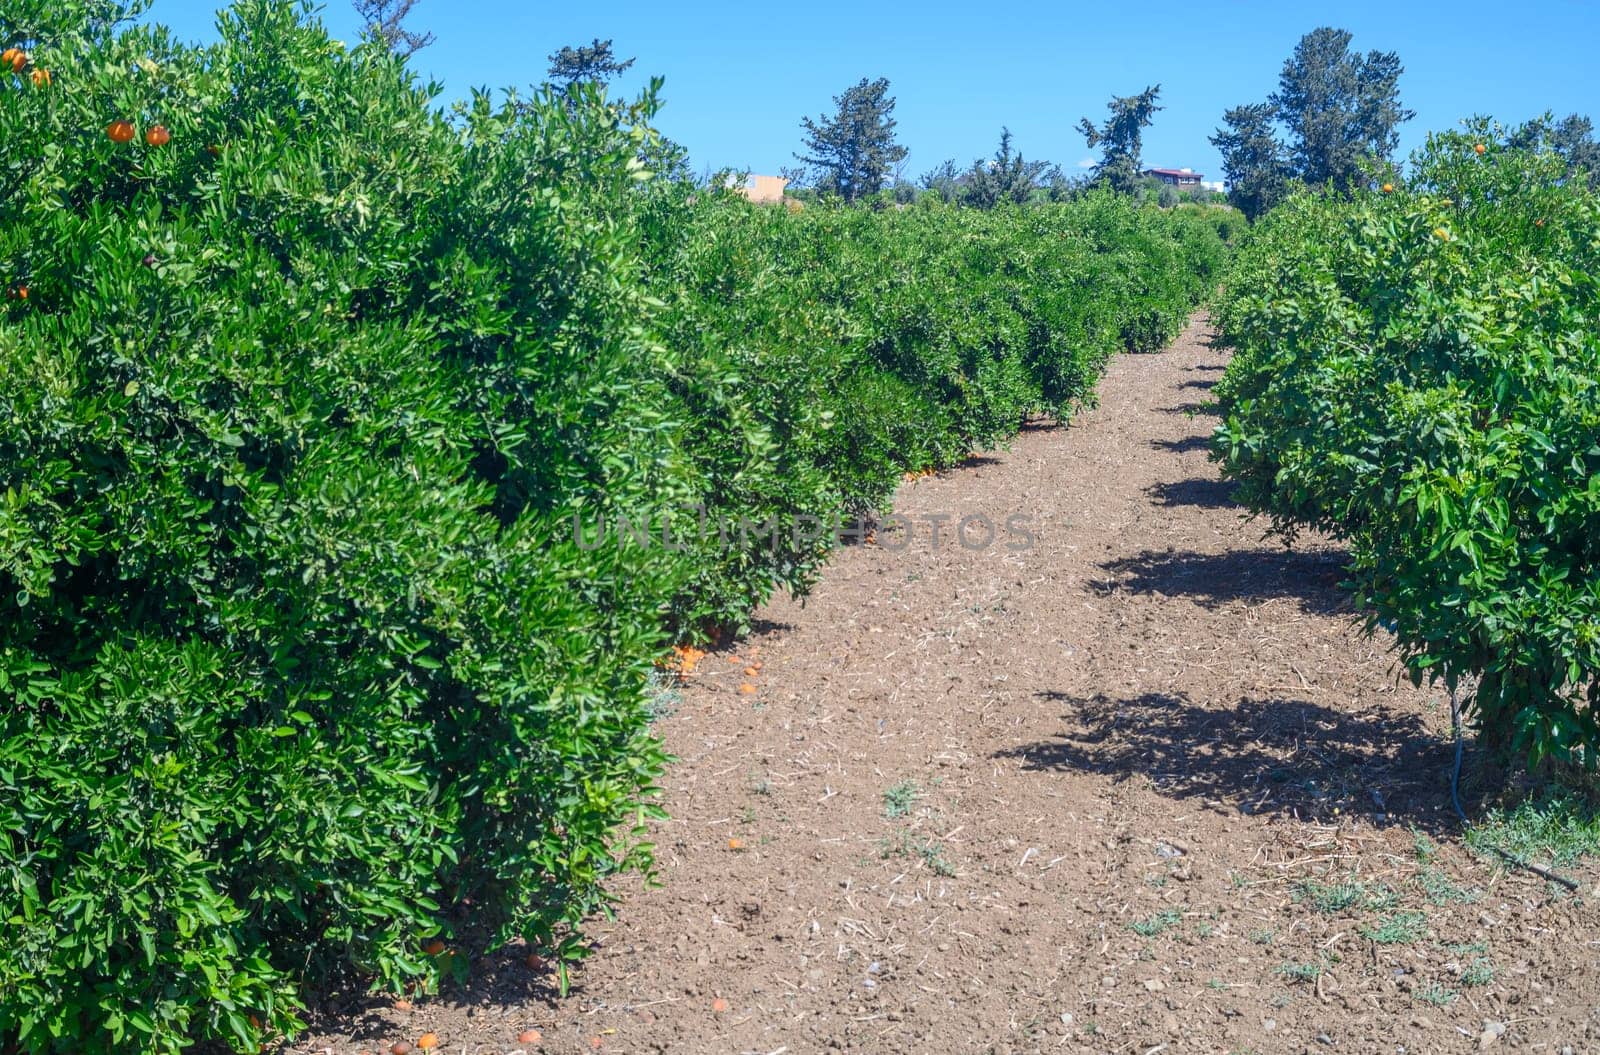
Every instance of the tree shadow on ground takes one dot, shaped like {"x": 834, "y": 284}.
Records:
{"x": 1191, "y": 409}
{"x": 498, "y": 980}
{"x": 1200, "y": 441}
{"x": 1206, "y": 493}
{"x": 1214, "y": 580}
{"x": 1273, "y": 755}
{"x": 1202, "y": 385}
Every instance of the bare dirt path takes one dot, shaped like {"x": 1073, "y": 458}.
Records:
{"x": 1141, "y": 787}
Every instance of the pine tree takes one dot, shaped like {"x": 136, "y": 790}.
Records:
{"x": 945, "y": 179}
{"x": 385, "y": 20}
{"x": 855, "y": 149}
{"x": 1571, "y": 138}
{"x": 591, "y": 62}
{"x": 1339, "y": 107}
{"x": 1252, "y": 158}
{"x": 1006, "y": 178}
{"x": 1121, "y": 137}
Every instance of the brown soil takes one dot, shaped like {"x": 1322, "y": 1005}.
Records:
{"x": 1120, "y": 758}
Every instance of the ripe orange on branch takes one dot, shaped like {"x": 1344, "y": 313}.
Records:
{"x": 120, "y": 131}
{"x": 41, "y": 78}
{"x": 158, "y": 136}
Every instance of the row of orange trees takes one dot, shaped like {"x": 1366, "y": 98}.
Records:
{"x": 1418, "y": 372}
{"x": 306, "y": 678}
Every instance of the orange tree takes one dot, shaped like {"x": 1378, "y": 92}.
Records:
{"x": 821, "y": 354}
{"x": 1418, "y": 371}
{"x": 295, "y": 663}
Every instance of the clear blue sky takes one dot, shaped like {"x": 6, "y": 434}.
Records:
{"x": 740, "y": 76}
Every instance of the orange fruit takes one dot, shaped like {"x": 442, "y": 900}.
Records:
{"x": 157, "y": 136}
{"x": 18, "y": 60}
{"x": 427, "y": 1041}
{"x": 1480, "y": 148}
{"x": 746, "y": 689}
{"x": 22, "y": 292}
{"x": 735, "y": 844}
{"x": 529, "y": 1036}
{"x": 1388, "y": 188}
{"x": 719, "y": 1005}
{"x": 687, "y": 657}
{"x": 749, "y": 672}
{"x": 400, "y": 1047}
{"x": 120, "y": 131}
{"x": 41, "y": 78}
{"x": 8, "y": 56}
{"x": 434, "y": 947}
